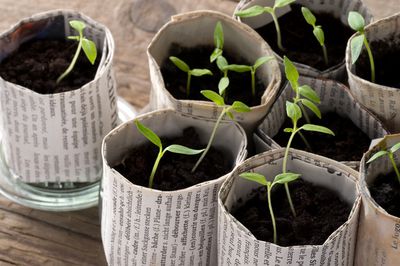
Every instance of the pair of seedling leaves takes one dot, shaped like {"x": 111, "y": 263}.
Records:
{"x": 390, "y": 153}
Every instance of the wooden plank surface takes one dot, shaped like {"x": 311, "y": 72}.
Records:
{"x": 31, "y": 237}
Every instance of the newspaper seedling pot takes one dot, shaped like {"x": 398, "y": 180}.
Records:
{"x": 331, "y": 15}
{"x": 335, "y": 98}
{"x": 51, "y": 153}
{"x": 237, "y": 245}
{"x": 196, "y": 29}
{"x": 378, "y": 234}
{"x": 154, "y": 227}
{"x": 381, "y": 99}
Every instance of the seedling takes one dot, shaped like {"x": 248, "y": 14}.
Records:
{"x": 226, "y": 110}
{"x": 218, "y": 42}
{"x": 88, "y": 46}
{"x": 258, "y": 10}
{"x": 279, "y": 179}
{"x": 179, "y": 63}
{"x": 357, "y": 23}
{"x": 317, "y": 31}
{"x": 174, "y": 148}
{"x": 390, "y": 153}
{"x": 294, "y": 112}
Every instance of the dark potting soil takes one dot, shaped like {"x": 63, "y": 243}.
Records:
{"x": 300, "y": 43}
{"x": 348, "y": 144}
{"x": 37, "y": 65}
{"x": 319, "y": 213}
{"x": 387, "y": 63}
{"x": 385, "y": 190}
{"x": 174, "y": 170}
{"x": 239, "y": 88}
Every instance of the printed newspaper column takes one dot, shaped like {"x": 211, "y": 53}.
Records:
{"x": 382, "y": 100}
{"x": 335, "y": 97}
{"x": 57, "y": 137}
{"x": 338, "y": 8}
{"x": 379, "y": 232}
{"x": 238, "y": 246}
{"x": 142, "y": 226}
{"x": 197, "y": 28}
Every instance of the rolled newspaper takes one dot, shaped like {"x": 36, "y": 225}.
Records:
{"x": 238, "y": 246}
{"x": 197, "y": 28}
{"x": 152, "y": 227}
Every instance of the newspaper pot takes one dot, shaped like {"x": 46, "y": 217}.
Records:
{"x": 378, "y": 232}
{"x": 154, "y": 227}
{"x": 237, "y": 245}
{"x": 197, "y": 28}
{"x": 336, "y": 98}
{"x": 338, "y": 8}
{"x": 51, "y": 142}
{"x": 382, "y": 100}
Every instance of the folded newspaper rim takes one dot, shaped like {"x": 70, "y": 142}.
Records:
{"x": 156, "y": 227}
{"x": 338, "y": 8}
{"x": 378, "y": 234}
{"x": 197, "y": 28}
{"x": 237, "y": 245}
{"x": 382, "y": 100}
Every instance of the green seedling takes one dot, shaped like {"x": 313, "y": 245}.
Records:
{"x": 279, "y": 179}
{"x": 357, "y": 23}
{"x": 190, "y": 72}
{"x": 294, "y": 112}
{"x": 237, "y": 106}
{"x": 258, "y": 10}
{"x": 317, "y": 31}
{"x": 218, "y": 42}
{"x": 174, "y": 148}
{"x": 88, "y": 46}
{"x": 390, "y": 153}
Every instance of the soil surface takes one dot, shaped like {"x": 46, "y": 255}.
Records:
{"x": 385, "y": 190}
{"x": 239, "y": 88}
{"x": 174, "y": 170}
{"x": 348, "y": 144}
{"x": 387, "y": 63}
{"x": 300, "y": 43}
{"x": 319, "y": 213}
{"x": 37, "y": 65}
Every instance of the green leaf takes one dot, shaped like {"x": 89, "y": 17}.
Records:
{"x": 260, "y": 179}
{"x": 288, "y": 130}
{"x": 179, "y": 64}
{"x": 219, "y": 36}
{"x": 75, "y": 38}
{"x": 250, "y": 12}
{"x": 238, "y": 68}
{"x": 293, "y": 111}
{"x": 310, "y": 105}
{"x": 285, "y": 178}
{"x": 77, "y": 25}
{"x": 262, "y": 60}
{"x": 356, "y": 21}
{"x": 215, "y": 54}
{"x": 309, "y": 93}
{"x": 223, "y": 84}
{"x": 308, "y": 16}
{"x": 356, "y": 47}
{"x": 377, "y": 155}
{"x": 316, "y": 128}
{"x": 174, "y": 148}
{"x": 240, "y": 107}
{"x": 148, "y": 133}
{"x": 230, "y": 115}
{"x": 222, "y": 63}
{"x": 291, "y": 72}
{"x": 319, "y": 34}
{"x": 213, "y": 96}
{"x": 282, "y": 3}
{"x": 89, "y": 48}
{"x": 200, "y": 72}
{"x": 268, "y": 9}
{"x": 395, "y": 147}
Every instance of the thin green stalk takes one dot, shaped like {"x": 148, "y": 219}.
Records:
{"x": 371, "y": 59}
{"x": 71, "y": 66}
{"x": 391, "y": 157}
{"x": 325, "y": 55}
{"x": 284, "y": 166}
{"x": 153, "y": 171}
{"x": 271, "y": 211}
{"x": 278, "y": 31}
{"x": 253, "y": 82}
{"x": 189, "y": 78}
{"x": 305, "y": 141}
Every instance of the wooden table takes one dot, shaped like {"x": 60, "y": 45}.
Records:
{"x": 31, "y": 237}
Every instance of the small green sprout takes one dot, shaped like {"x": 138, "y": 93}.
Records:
{"x": 390, "y": 153}
{"x": 294, "y": 112}
{"x": 151, "y": 136}
{"x": 317, "y": 30}
{"x": 237, "y": 106}
{"x": 279, "y": 179}
{"x": 218, "y": 42}
{"x": 88, "y": 46}
{"x": 357, "y": 23}
{"x": 190, "y": 72}
{"x": 258, "y": 10}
